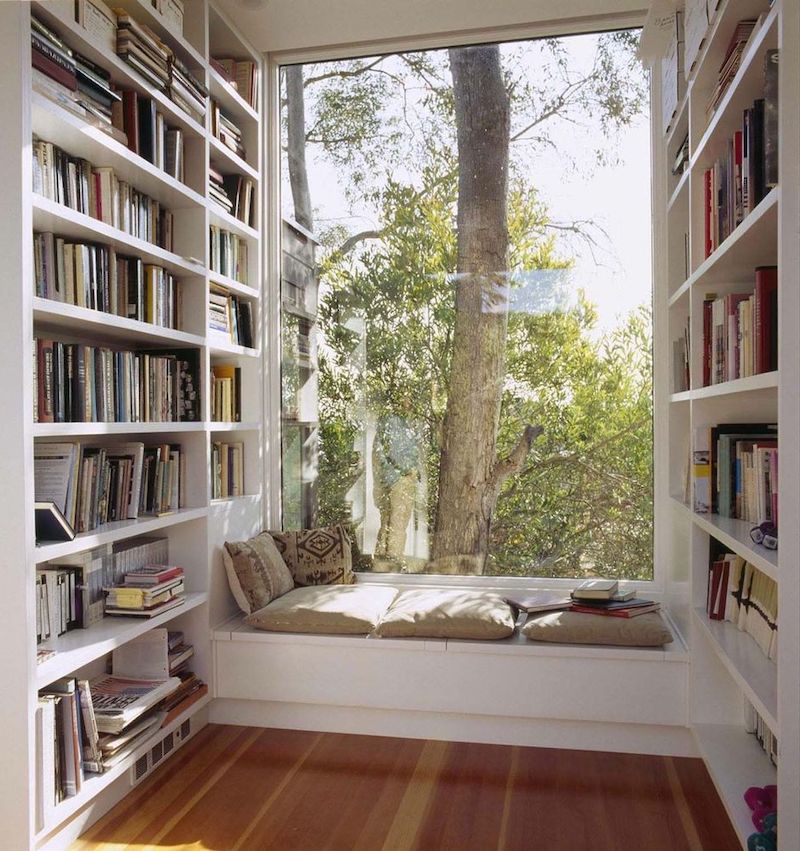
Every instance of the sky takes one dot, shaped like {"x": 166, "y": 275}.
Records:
{"x": 617, "y": 275}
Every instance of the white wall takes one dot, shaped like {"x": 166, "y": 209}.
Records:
{"x": 286, "y": 25}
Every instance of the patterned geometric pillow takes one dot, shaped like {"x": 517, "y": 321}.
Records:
{"x": 317, "y": 556}
{"x": 256, "y": 572}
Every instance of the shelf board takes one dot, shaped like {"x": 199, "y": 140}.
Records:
{"x": 680, "y": 121}
{"x": 735, "y": 534}
{"x": 746, "y": 86}
{"x": 230, "y": 161}
{"x": 117, "y": 531}
{"x": 122, "y": 74}
{"x": 233, "y": 285}
{"x": 735, "y": 762}
{"x": 94, "y": 784}
{"x": 680, "y": 188}
{"x": 70, "y": 132}
{"x": 227, "y": 427}
{"x": 228, "y": 98}
{"x": 762, "y": 381}
{"x": 218, "y": 346}
{"x": 79, "y": 647}
{"x": 93, "y": 429}
{"x": 753, "y": 243}
{"x": 97, "y": 324}
{"x": 51, "y": 216}
{"x": 219, "y": 217}
{"x": 753, "y": 672}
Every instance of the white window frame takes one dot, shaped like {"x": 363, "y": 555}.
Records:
{"x": 272, "y": 247}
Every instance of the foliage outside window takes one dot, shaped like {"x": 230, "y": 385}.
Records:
{"x": 483, "y": 368}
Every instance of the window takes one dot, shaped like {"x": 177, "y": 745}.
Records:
{"x": 466, "y": 290}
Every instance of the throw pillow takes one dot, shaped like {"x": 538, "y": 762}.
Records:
{"x": 577, "y": 628}
{"x": 256, "y": 572}
{"x": 317, "y": 556}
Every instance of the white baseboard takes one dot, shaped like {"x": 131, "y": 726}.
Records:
{"x": 533, "y": 732}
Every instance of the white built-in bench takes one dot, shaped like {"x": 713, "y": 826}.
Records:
{"x": 512, "y": 690}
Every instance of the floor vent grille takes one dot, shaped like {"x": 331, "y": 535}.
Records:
{"x": 159, "y": 751}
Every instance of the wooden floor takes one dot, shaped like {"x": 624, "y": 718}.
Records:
{"x": 236, "y": 788}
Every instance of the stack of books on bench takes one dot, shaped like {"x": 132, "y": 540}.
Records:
{"x": 592, "y": 597}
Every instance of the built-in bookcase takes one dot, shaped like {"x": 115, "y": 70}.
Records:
{"x": 197, "y": 530}
{"x": 729, "y": 671}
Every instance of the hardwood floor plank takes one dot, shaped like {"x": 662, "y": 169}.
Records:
{"x": 238, "y": 788}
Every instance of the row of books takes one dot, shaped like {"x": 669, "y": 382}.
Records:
{"x": 79, "y": 383}
{"x": 138, "y": 598}
{"x": 228, "y": 254}
{"x": 141, "y": 48}
{"x": 241, "y": 74}
{"x": 744, "y": 596}
{"x": 233, "y": 193}
{"x": 755, "y": 724}
{"x": 94, "y": 485}
{"x": 148, "y": 134}
{"x": 98, "y": 192}
{"x": 70, "y": 591}
{"x": 740, "y": 179}
{"x": 231, "y": 316}
{"x": 735, "y": 471}
{"x": 740, "y": 331}
{"x": 227, "y": 469}
{"x": 95, "y": 276}
{"x": 226, "y": 393}
{"x": 224, "y": 128}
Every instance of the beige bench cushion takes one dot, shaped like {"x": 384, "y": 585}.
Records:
{"x": 438, "y": 613}
{"x": 648, "y": 630}
{"x": 331, "y": 609}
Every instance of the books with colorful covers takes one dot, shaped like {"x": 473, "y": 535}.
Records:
{"x": 621, "y": 609}
{"x": 132, "y": 600}
{"x": 541, "y": 601}
{"x": 119, "y": 701}
{"x": 152, "y": 574}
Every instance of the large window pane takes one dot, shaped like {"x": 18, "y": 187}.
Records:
{"x": 466, "y": 286}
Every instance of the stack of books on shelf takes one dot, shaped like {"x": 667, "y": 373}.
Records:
{"x": 84, "y": 384}
{"x": 226, "y": 393}
{"x": 744, "y": 596}
{"x": 178, "y": 652}
{"x": 231, "y": 316}
{"x": 735, "y": 471}
{"x": 69, "y": 591}
{"x": 228, "y": 254}
{"x": 185, "y": 90}
{"x": 97, "y": 192}
{"x": 227, "y": 469}
{"x": 227, "y": 131}
{"x": 233, "y": 193}
{"x": 241, "y": 74}
{"x": 147, "y": 592}
{"x": 681, "y": 351}
{"x": 755, "y": 724}
{"x": 148, "y": 133}
{"x": 95, "y": 485}
{"x": 95, "y": 276}
{"x": 740, "y": 179}
{"x": 740, "y": 331}
{"x": 730, "y": 64}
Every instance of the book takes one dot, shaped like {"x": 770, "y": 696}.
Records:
{"x": 771, "y": 59}
{"x": 51, "y": 525}
{"x": 152, "y": 575}
{"x": 119, "y": 701}
{"x": 595, "y": 589}
{"x": 622, "y": 612}
{"x": 541, "y": 601}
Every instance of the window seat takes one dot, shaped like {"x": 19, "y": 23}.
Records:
{"x": 478, "y": 690}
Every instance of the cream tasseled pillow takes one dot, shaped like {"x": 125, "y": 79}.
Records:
{"x": 256, "y": 572}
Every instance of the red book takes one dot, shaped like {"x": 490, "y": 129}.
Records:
{"x": 722, "y": 592}
{"x": 766, "y": 318}
{"x": 708, "y": 306}
{"x": 47, "y": 66}
{"x": 716, "y": 575}
{"x": 616, "y": 613}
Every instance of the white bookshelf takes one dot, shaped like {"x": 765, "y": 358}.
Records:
{"x": 728, "y": 666}
{"x": 195, "y": 532}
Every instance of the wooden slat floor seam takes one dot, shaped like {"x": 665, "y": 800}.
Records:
{"x": 248, "y": 789}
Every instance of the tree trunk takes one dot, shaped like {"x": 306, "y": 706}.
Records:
{"x": 469, "y": 473}
{"x": 296, "y": 146}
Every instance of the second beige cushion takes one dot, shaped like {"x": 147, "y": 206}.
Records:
{"x": 256, "y": 572}
{"x": 332, "y": 609}
{"x": 447, "y": 614}
{"x": 577, "y": 628}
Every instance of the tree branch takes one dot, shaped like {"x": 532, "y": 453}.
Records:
{"x": 513, "y": 463}
{"x": 349, "y": 244}
{"x": 357, "y": 72}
